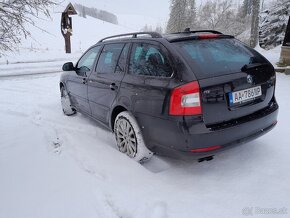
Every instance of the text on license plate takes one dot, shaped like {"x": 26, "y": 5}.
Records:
{"x": 245, "y": 95}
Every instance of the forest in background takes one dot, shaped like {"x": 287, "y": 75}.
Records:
{"x": 251, "y": 22}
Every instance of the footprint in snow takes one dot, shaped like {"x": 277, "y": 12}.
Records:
{"x": 56, "y": 146}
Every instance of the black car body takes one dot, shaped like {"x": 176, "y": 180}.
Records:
{"x": 192, "y": 93}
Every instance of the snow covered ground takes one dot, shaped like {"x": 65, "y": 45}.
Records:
{"x": 57, "y": 166}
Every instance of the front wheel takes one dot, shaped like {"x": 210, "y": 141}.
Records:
{"x": 66, "y": 103}
{"x": 129, "y": 137}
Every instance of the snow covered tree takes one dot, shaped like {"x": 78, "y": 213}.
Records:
{"x": 159, "y": 29}
{"x": 255, "y": 23}
{"x": 14, "y": 15}
{"x": 217, "y": 15}
{"x": 222, "y": 16}
{"x": 147, "y": 28}
{"x": 246, "y": 8}
{"x": 273, "y": 24}
{"x": 190, "y": 15}
{"x": 82, "y": 11}
{"x": 177, "y": 19}
{"x": 262, "y": 5}
{"x": 85, "y": 11}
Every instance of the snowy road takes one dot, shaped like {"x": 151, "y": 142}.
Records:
{"x": 57, "y": 166}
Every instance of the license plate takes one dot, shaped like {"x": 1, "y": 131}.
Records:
{"x": 245, "y": 95}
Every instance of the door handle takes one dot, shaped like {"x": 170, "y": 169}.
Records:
{"x": 84, "y": 80}
{"x": 113, "y": 86}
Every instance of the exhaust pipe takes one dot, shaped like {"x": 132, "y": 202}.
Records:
{"x": 209, "y": 158}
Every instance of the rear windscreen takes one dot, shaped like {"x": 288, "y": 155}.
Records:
{"x": 215, "y": 57}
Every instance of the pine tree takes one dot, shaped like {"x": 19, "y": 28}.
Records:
{"x": 273, "y": 23}
{"x": 147, "y": 28}
{"x": 191, "y": 14}
{"x": 171, "y": 25}
{"x": 177, "y": 19}
{"x": 246, "y": 8}
{"x": 84, "y": 12}
{"x": 159, "y": 29}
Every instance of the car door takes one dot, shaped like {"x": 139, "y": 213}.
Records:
{"x": 77, "y": 83}
{"x": 147, "y": 83}
{"x": 104, "y": 82}
{"x": 149, "y": 74}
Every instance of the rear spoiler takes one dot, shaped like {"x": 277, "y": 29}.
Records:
{"x": 201, "y": 36}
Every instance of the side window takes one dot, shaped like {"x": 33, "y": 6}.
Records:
{"x": 149, "y": 60}
{"x": 109, "y": 57}
{"x": 86, "y": 62}
{"x": 121, "y": 66}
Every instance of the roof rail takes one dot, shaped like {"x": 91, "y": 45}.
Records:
{"x": 134, "y": 35}
{"x": 187, "y": 30}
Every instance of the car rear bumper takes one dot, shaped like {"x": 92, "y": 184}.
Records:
{"x": 179, "y": 138}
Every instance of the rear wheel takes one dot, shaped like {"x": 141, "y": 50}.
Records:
{"x": 66, "y": 103}
{"x": 129, "y": 138}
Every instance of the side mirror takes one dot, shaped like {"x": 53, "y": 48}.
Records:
{"x": 69, "y": 66}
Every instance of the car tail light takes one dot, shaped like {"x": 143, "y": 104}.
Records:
{"x": 208, "y": 36}
{"x": 206, "y": 149}
{"x": 185, "y": 100}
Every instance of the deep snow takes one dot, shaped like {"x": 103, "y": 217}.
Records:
{"x": 57, "y": 166}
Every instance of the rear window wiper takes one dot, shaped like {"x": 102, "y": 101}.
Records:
{"x": 253, "y": 65}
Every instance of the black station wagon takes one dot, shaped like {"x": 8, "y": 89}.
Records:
{"x": 185, "y": 94}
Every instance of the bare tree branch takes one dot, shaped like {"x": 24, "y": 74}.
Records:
{"x": 14, "y": 15}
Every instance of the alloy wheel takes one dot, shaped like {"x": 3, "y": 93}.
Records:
{"x": 126, "y": 138}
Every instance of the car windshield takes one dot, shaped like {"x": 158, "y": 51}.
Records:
{"x": 215, "y": 57}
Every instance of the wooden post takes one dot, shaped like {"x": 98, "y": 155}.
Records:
{"x": 66, "y": 26}
{"x": 67, "y": 44}
{"x": 65, "y": 30}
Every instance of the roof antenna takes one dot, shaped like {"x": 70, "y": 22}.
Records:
{"x": 187, "y": 29}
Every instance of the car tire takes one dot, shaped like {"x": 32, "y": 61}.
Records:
{"x": 66, "y": 103}
{"x": 129, "y": 138}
